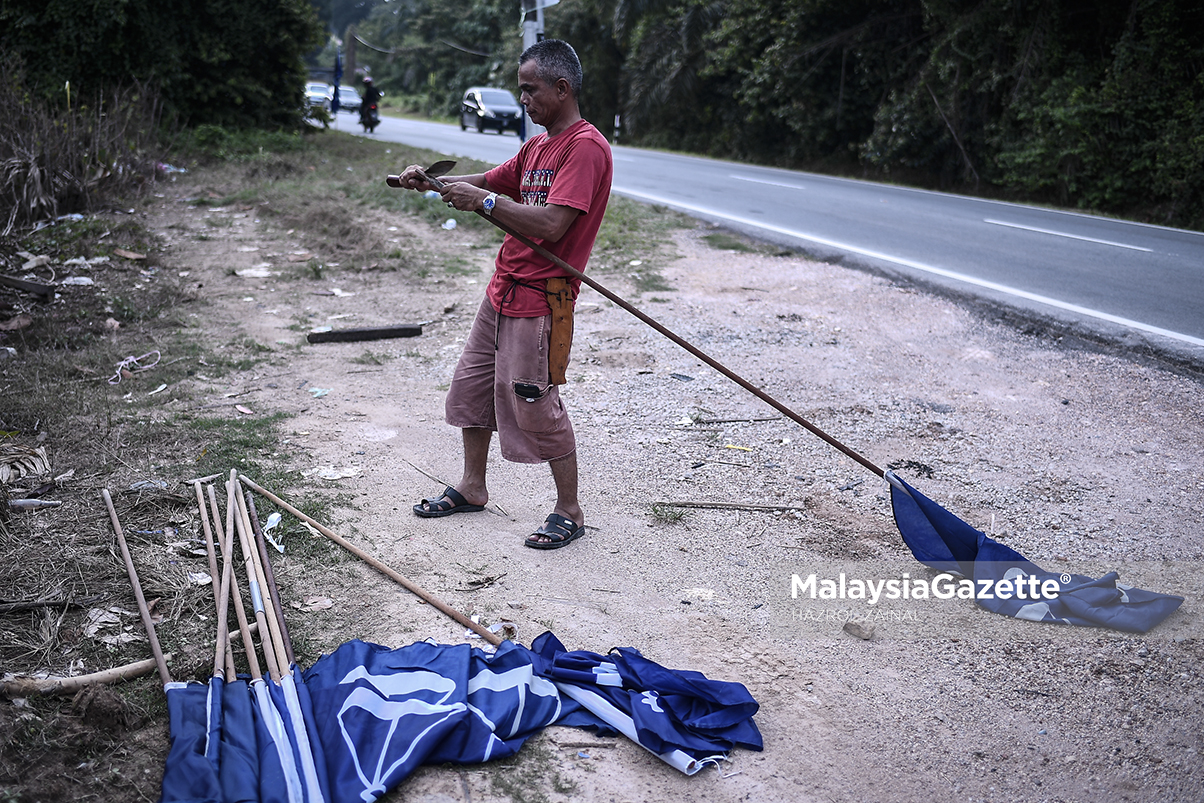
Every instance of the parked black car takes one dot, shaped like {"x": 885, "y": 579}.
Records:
{"x": 485, "y": 107}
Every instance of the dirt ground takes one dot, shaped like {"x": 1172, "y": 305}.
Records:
{"x": 1076, "y": 457}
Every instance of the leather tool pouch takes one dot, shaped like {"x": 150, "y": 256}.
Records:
{"x": 560, "y": 336}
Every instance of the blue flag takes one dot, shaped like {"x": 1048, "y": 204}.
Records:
{"x": 941, "y": 540}
{"x": 681, "y": 715}
{"x": 190, "y": 775}
{"x": 239, "y": 764}
{"x": 382, "y": 712}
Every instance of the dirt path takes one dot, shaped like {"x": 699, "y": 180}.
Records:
{"x": 1074, "y": 458}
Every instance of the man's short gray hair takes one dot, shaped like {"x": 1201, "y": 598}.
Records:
{"x": 555, "y": 59}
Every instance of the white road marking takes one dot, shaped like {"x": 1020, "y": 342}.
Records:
{"x": 773, "y": 183}
{"x": 961, "y": 277}
{"x": 1065, "y": 234}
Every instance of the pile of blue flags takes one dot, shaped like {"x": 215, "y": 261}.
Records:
{"x": 371, "y": 715}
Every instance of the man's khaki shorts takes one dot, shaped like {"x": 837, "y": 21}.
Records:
{"x": 506, "y": 389}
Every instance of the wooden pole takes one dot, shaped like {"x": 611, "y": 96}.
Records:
{"x": 156, "y": 650}
{"x": 227, "y": 542}
{"x": 269, "y": 608}
{"x": 269, "y": 575}
{"x": 483, "y": 632}
{"x": 221, "y": 592}
{"x": 269, "y": 654}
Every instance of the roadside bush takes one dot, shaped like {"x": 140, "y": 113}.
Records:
{"x": 55, "y": 160}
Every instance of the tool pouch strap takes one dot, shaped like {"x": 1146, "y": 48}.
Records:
{"x": 560, "y": 335}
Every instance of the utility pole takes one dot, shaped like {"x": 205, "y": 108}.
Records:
{"x": 532, "y": 18}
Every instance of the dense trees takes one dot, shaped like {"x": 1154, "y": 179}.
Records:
{"x": 231, "y": 62}
{"x": 1091, "y": 103}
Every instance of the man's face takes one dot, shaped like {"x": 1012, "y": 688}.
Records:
{"x": 543, "y": 101}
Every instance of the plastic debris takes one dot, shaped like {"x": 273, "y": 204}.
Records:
{"x": 254, "y": 273}
{"x": 271, "y": 524}
{"x": 333, "y": 473}
{"x": 450, "y": 223}
{"x": 132, "y": 365}
{"x": 149, "y": 485}
{"x": 159, "y": 389}
{"x": 121, "y": 252}
{"x": 200, "y": 578}
{"x": 318, "y": 393}
{"x": 77, "y": 281}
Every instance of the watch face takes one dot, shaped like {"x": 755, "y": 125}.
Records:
{"x": 488, "y": 204}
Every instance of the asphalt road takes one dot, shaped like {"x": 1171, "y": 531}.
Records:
{"x": 1141, "y": 284}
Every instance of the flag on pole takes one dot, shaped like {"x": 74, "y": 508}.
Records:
{"x": 338, "y": 77}
{"x": 939, "y": 539}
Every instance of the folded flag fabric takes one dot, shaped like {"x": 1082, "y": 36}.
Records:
{"x": 939, "y": 539}
{"x": 670, "y": 710}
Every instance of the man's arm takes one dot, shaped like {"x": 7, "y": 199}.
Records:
{"x": 467, "y": 193}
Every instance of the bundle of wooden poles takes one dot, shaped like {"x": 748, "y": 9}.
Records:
{"x": 242, "y": 531}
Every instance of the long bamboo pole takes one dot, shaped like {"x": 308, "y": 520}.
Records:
{"x": 271, "y": 613}
{"x": 227, "y": 541}
{"x": 392, "y": 181}
{"x": 261, "y": 549}
{"x": 221, "y": 592}
{"x": 143, "y": 610}
{"x": 260, "y": 613}
{"x": 418, "y": 591}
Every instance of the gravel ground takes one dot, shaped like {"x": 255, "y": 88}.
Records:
{"x": 1075, "y": 457}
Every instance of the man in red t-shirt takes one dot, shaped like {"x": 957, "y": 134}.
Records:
{"x": 554, "y": 191}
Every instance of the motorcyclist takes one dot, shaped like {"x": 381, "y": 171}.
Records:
{"x": 371, "y": 97}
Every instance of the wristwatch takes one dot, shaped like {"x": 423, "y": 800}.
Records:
{"x": 489, "y": 202}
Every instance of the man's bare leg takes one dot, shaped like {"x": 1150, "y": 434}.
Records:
{"x": 564, "y": 474}
{"x": 476, "y": 455}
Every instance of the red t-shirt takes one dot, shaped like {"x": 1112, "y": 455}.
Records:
{"x": 573, "y": 169}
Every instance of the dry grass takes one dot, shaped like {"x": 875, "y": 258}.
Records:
{"x": 56, "y": 160}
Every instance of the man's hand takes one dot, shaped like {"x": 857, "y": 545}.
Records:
{"x": 463, "y": 196}
{"x": 414, "y": 178}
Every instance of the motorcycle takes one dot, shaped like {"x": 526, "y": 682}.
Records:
{"x": 369, "y": 117}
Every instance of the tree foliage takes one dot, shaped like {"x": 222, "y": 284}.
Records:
{"x": 228, "y": 62}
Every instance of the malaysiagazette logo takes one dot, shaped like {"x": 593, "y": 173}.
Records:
{"x": 943, "y": 586}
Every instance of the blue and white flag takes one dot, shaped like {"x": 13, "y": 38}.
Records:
{"x": 239, "y": 765}
{"x": 382, "y": 712}
{"x": 939, "y": 539}
{"x": 680, "y": 715}
{"x": 194, "y": 717}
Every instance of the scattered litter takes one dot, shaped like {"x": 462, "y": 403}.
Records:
{"x": 300, "y": 257}
{"x": 582, "y": 754}
{"x": 318, "y": 393}
{"x": 166, "y": 168}
{"x": 635, "y": 263}
{"x": 159, "y": 389}
{"x": 36, "y": 262}
{"x": 149, "y": 485}
{"x": 682, "y": 377}
{"x": 317, "y": 330}
{"x": 685, "y": 421}
{"x": 254, "y": 273}
{"x": 132, "y": 365}
{"x": 121, "y": 252}
{"x": 741, "y": 448}
{"x": 248, "y": 248}
{"x": 702, "y": 594}
{"x": 450, "y": 223}
{"x": 244, "y": 410}
{"x": 16, "y": 323}
{"x": 342, "y": 293}
{"x": 200, "y": 578}
{"x": 310, "y": 604}
{"x": 272, "y": 522}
